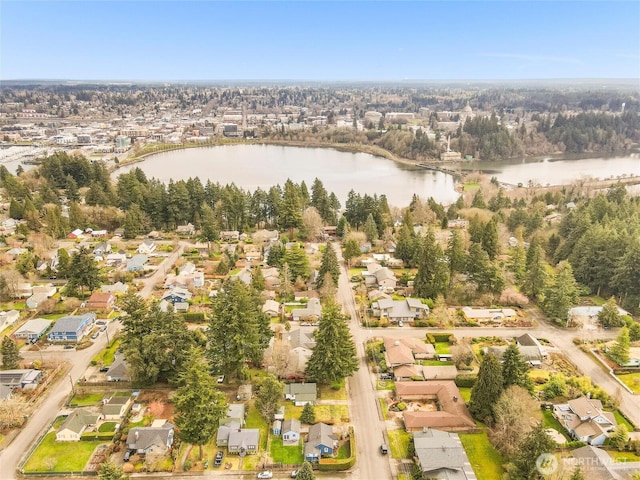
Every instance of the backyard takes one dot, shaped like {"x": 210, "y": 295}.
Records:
{"x": 484, "y": 458}
{"x": 53, "y": 456}
{"x": 399, "y": 443}
{"x": 289, "y": 455}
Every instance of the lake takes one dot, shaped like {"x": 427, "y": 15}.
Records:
{"x": 253, "y": 166}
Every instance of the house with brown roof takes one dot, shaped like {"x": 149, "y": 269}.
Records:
{"x": 585, "y": 420}
{"x": 452, "y": 413}
{"x": 405, "y": 351}
{"x": 439, "y": 372}
{"x": 489, "y": 315}
{"x": 101, "y": 301}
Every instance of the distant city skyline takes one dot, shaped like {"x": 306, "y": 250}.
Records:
{"x": 318, "y": 41}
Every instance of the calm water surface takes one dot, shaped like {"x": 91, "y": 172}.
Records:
{"x": 252, "y": 166}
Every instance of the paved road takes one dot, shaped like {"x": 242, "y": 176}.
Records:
{"x": 10, "y": 457}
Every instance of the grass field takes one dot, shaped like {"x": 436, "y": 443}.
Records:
{"x": 484, "y": 458}
{"x": 254, "y": 420}
{"x": 52, "y": 456}
{"x": 332, "y": 413}
{"x": 466, "y": 394}
{"x": 551, "y": 422}
{"x": 107, "y": 356}
{"x": 623, "y": 456}
{"x": 399, "y": 443}
{"x": 290, "y": 455}
{"x": 107, "y": 427}
{"x": 622, "y": 421}
{"x": 85, "y": 399}
{"x": 631, "y": 380}
{"x": 328, "y": 393}
{"x": 443, "y": 347}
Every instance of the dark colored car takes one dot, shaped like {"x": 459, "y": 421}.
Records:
{"x": 386, "y": 376}
{"x": 218, "y": 461}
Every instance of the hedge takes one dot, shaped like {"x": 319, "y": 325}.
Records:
{"x": 334, "y": 464}
{"x": 97, "y": 436}
{"x": 440, "y": 337}
{"x": 465, "y": 380}
{"x": 193, "y": 317}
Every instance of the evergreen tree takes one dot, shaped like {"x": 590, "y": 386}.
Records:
{"x": 222, "y": 268}
{"x": 561, "y": 293}
{"x": 371, "y": 229}
{"x": 343, "y": 227}
{"x": 609, "y": 316}
{"x": 619, "y": 352}
{"x": 210, "y": 230}
{"x": 490, "y": 239}
{"x": 334, "y": 356}
{"x": 524, "y": 465}
{"x": 111, "y": 471}
{"x": 478, "y": 200}
{"x": 199, "y": 405}
{"x": 134, "y": 222}
{"x": 536, "y": 276}
{"x": 515, "y": 370}
{"x": 237, "y": 332}
{"x": 308, "y": 414}
{"x": 257, "y": 280}
{"x": 305, "y": 472}
{"x": 298, "y": 262}
{"x": 276, "y": 255}
{"x": 329, "y": 266}
{"x": 487, "y": 389}
{"x": 64, "y": 260}
{"x": 456, "y": 254}
{"x": 268, "y": 398}
{"x": 291, "y": 207}
{"x": 10, "y": 354}
{"x": 483, "y": 271}
{"x": 406, "y": 245}
{"x": 83, "y": 272}
{"x": 432, "y": 278}
{"x": 634, "y": 332}
{"x": 351, "y": 250}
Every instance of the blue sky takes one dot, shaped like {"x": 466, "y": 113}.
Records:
{"x": 304, "y": 40}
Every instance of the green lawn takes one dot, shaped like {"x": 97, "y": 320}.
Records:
{"x": 399, "y": 443}
{"x": 328, "y": 393}
{"x": 83, "y": 400}
{"x": 631, "y": 380}
{"x": 332, "y": 413}
{"x": 290, "y": 455}
{"x": 551, "y": 422}
{"x": 443, "y": 347}
{"x": 384, "y": 407}
{"x": 254, "y": 420}
{"x": 466, "y": 394}
{"x": 484, "y": 458}
{"x": 107, "y": 356}
{"x": 52, "y": 456}
{"x": 384, "y": 385}
{"x": 622, "y": 421}
{"x": 623, "y": 456}
{"x": 108, "y": 427}
{"x": 434, "y": 363}
{"x": 291, "y": 411}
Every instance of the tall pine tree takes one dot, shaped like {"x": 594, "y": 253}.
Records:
{"x": 487, "y": 389}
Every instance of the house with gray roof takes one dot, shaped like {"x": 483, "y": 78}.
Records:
{"x": 321, "y": 442}
{"x": 33, "y": 329}
{"x": 26, "y": 378}
{"x": 137, "y": 263}
{"x": 115, "y": 407}
{"x": 441, "y": 456}
{"x": 119, "y": 370}
{"x": 235, "y": 414}
{"x": 72, "y": 327}
{"x": 596, "y": 464}
{"x": 290, "y": 431}
{"x": 585, "y": 420}
{"x": 8, "y": 318}
{"x": 531, "y": 354}
{"x": 156, "y": 439}
{"x": 76, "y": 424}
{"x": 312, "y": 312}
{"x": 301, "y": 393}
{"x": 244, "y": 441}
{"x": 396, "y": 310}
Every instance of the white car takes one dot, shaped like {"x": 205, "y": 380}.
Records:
{"x": 265, "y": 474}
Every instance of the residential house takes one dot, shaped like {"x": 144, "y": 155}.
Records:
{"x": 301, "y": 393}
{"x": 33, "y": 329}
{"x": 441, "y": 456}
{"x": 102, "y": 249}
{"x": 177, "y": 295}
{"x": 271, "y": 308}
{"x": 16, "y": 251}
{"x": 489, "y": 315}
{"x": 290, "y": 432}
{"x": 437, "y": 372}
{"x": 452, "y": 413}
{"x": 305, "y": 295}
{"x": 117, "y": 288}
{"x": 187, "y": 230}
{"x": 5, "y": 393}
{"x": 24, "y": 379}
{"x": 458, "y": 223}
{"x": 596, "y": 464}
{"x": 244, "y": 441}
{"x": 271, "y": 278}
{"x": 311, "y": 313}
{"x": 245, "y": 392}
{"x": 405, "y": 351}
{"x": 265, "y": 236}
{"x": 243, "y": 275}
{"x": 77, "y": 233}
{"x": 230, "y": 236}
{"x": 115, "y": 407}
{"x": 407, "y": 372}
{"x": 385, "y": 279}
{"x": 321, "y": 442}
{"x": 35, "y": 300}
{"x": 101, "y": 301}
{"x": 116, "y": 259}
{"x": 530, "y": 354}
{"x": 119, "y": 370}
{"x": 400, "y": 310}
{"x": 23, "y": 290}
{"x": 76, "y": 424}
{"x": 277, "y": 427}
{"x": 236, "y": 413}
{"x": 72, "y": 328}
{"x": 47, "y": 289}
{"x": 99, "y": 233}
{"x": 8, "y": 318}
{"x": 137, "y": 263}
{"x": 222, "y": 437}
{"x": 156, "y": 439}
{"x": 585, "y": 420}
{"x": 528, "y": 340}
{"x": 146, "y": 247}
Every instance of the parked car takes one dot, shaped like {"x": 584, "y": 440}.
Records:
{"x": 95, "y": 335}
{"x": 218, "y": 460}
{"x": 294, "y": 474}
{"x": 386, "y": 376}
{"x": 265, "y": 474}
{"x": 400, "y": 323}
{"x": 104, "y": 369}
{"x": 220, "y": 379}
{"x": 69, "y": 347}
{"x": 127, "y": 455}
{"x": 383, "y": 449}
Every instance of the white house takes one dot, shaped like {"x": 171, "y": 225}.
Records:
{"x": 585, "y": 420}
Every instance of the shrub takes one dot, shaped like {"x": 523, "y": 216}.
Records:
{"x": 193, "y": 317}
{"x": 401, "y": 406}
{"x": 465, "y": 381}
